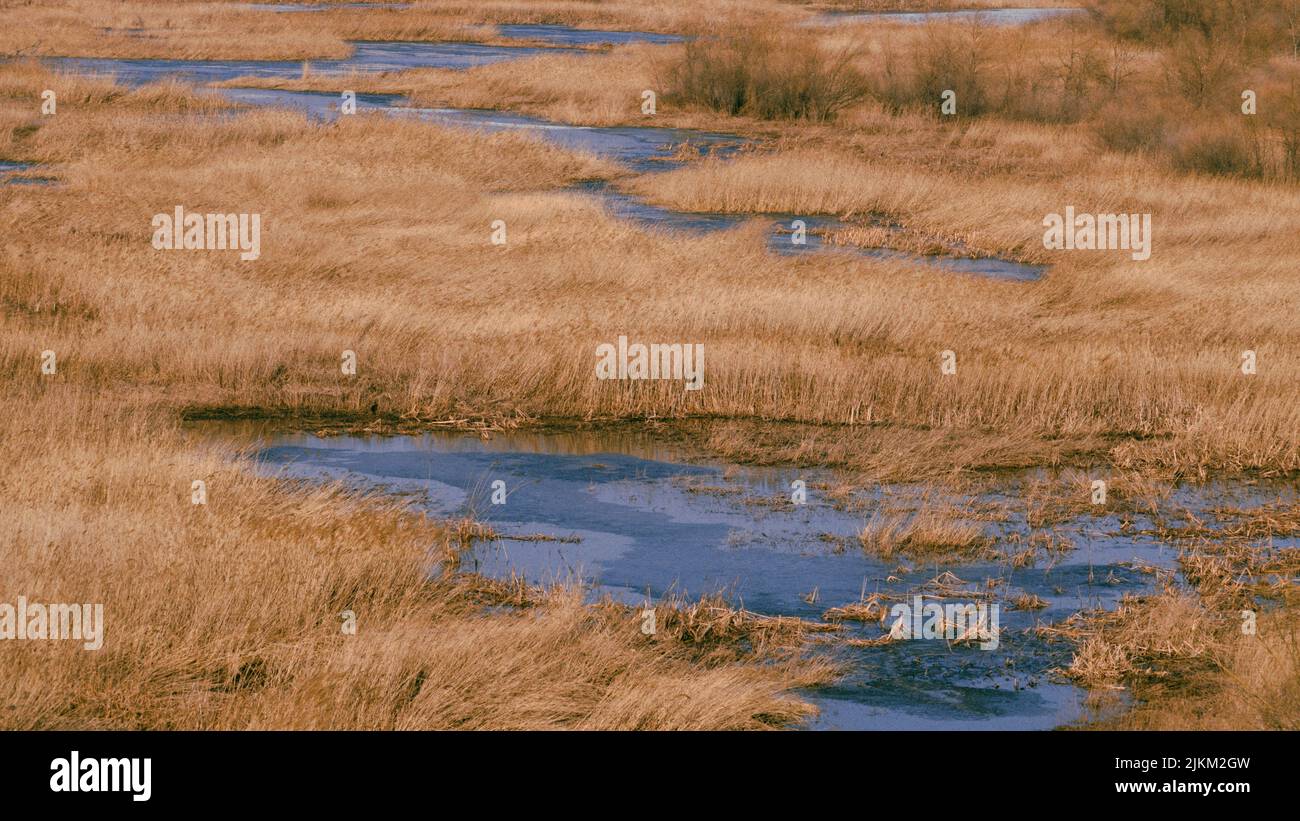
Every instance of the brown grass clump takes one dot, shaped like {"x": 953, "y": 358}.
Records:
{"x": 870, "y": 608}
{"x": 1260, "y": 684}
{"x": 1189, "y": 668}
{"x": 928, "y": 526}
{"x": 1028, "y": 601}
{"x": 768, "y": 73}
{"x": 713, "y": 627}
{"x": 1051, "y": 500}
{"x": 928, "y": 534}
{"x": 1146, "y": 640}
{"x": 1233, "y": 523}
{"x": 1228, "y": 552}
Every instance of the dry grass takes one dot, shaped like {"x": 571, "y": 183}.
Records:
{"x": 1191, "y": 668}
{"x": 1236, "y": 523}
{"x": 1028, "y": 601}
{"x": 714, "y": 629}
{"x": 1069, "y": 495}
{"x": 1221, "y": 655}
{"x": 226, "y": 615}
{"x": 932, "y": 532}
{"x": 766, "y": 73}
{"x": 375, "y": 239}
{"x": 873, "y": 608}
{"x": 933, "y": 523}
{"x": 1145, "y": 638}
{"x": 188, "y": 28}
{"x": 857, "y": 341}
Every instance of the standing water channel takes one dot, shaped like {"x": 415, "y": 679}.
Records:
{"x": 641, "y": 149}
{"x": 637, "y": 520}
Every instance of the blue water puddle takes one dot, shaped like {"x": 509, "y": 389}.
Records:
{"x": 641, "y": 521}
{"x": 902, "y": 687}
{"x": 992, "y": 17}
{"x": 569, "y": 36}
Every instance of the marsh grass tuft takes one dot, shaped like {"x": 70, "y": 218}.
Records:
{"x": 933, "y": 528}
{"x": 768, "y": 73}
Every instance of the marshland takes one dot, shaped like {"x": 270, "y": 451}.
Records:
{"x": 371, "y": 479}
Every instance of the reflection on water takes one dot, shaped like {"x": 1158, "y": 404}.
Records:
{"x": 638, "y": 518}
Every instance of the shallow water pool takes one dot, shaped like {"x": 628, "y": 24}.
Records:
{"x": 637, "y": 520}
